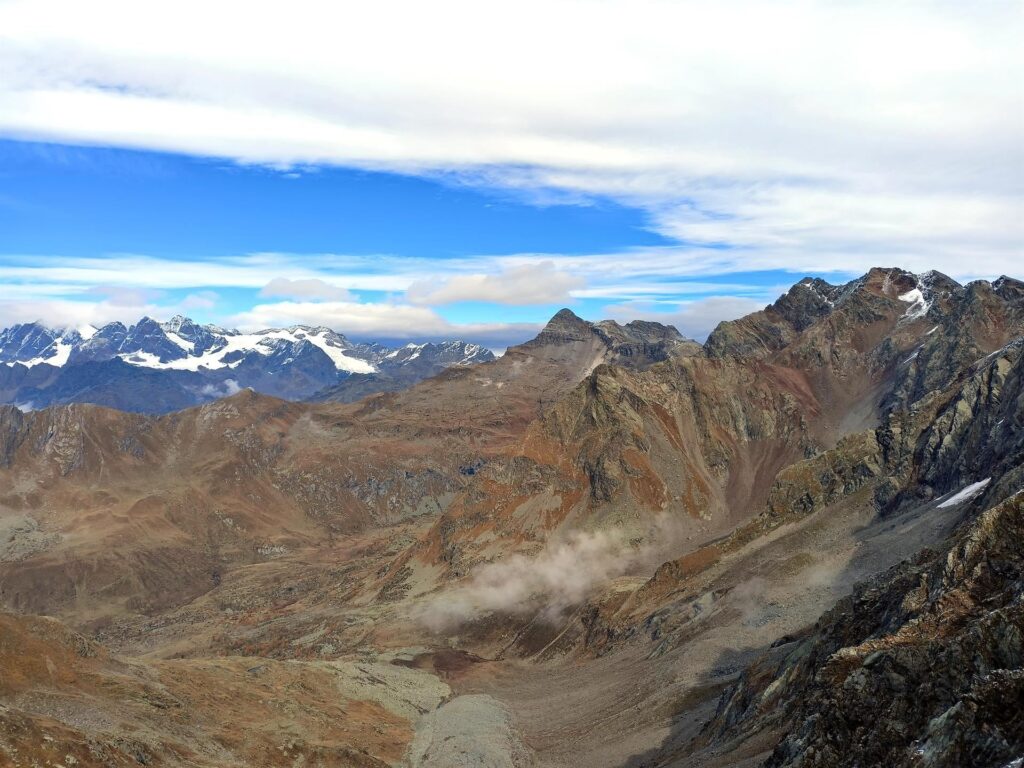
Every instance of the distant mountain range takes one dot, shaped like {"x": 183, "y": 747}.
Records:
{"x": 159, "y": 367}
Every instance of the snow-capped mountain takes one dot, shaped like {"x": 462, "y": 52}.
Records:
{"x": 154, "y": 366}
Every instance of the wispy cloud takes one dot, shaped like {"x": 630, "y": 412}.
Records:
{"x": 535, "y": 283}
{"x": 694, "y": 319}
{"x": 200, "y": 300}
{"x": 382, "y": 320}
{"x": 312, "y": 288}
{"x": 812, "y": 135}
{"x": 569, "y": 569}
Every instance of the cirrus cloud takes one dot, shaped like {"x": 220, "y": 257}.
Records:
{"x": 311, "y": 289}
{"x": 382, "y": 321}
{"x": 534, "y": 283}
{"x": 837, "y": 134}
{"x": 693, "y": 319}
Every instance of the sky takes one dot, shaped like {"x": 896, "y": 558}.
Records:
{"x": 413, "y": 171}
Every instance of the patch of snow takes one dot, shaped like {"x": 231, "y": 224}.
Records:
{"x": 59, "y": 358}
{"x": 341, "y": 361}
{"x": 144, "y": 359}
{"x": 261, "y": 343}
{"x": 911, "y": 358}
{"x": 966, "y": 494}
{"x": 918, "y": 305}
{"x": 86, "y": 331}
{"x": 187, "y": 346}
{"x": 933, "y": 330}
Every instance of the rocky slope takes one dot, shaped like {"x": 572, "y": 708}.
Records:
{"x": 702, "y": 438}
{"x": 921, "y": 666}
{"x": 609, "y": 547}
{"x": 248, "y": 478}
{"x": 67, "y": 701}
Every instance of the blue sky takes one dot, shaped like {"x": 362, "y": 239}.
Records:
{"x": 428, "y": 180}
{"x": 67, "y": 211}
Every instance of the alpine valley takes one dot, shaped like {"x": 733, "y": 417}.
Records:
{"x": 800, "y": 543}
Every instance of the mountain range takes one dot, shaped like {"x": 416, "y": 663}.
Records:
{"x": 158, "y": 367}
{"x": 798, "y": 544}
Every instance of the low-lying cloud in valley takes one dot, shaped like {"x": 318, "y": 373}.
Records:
{"x": 569, "y": 569}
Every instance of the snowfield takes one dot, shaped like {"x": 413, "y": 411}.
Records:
{"x": 966, "y": 494}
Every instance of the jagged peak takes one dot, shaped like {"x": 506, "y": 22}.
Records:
{"x": 147, "y": 322}
{"x": 315, "y": 329}
{"x": 178, "y": 322}
{"x": 565, "y": 326}
{"x": 641, "y": 330}
{"x": 566, "y": 316}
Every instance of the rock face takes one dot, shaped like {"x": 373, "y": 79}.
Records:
{"x": 920, "y": 667}
{"x": 637, "y": 344}
{"x": 711, "y": 439}
{"x": 159, "y": 367}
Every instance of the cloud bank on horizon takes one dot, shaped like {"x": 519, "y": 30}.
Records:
{"x": 755, "y": 139}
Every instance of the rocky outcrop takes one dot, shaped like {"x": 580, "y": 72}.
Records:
{"x": 637, "y": 344}
{"x": 973, "y": 431}
{"x": 920, "y": 667}
{"x": 826, "y": 478}
{"x": 978, "y": 319}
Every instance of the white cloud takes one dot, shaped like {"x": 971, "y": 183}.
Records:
{"x": 200, "y": 300}
{"x": 534, "y": 283}
{"x": 382, "y": 321}
{"x": 568, "y": 570}
{"x": 312, "y": 288}
{"x": 224, "y": 389}
{"x": 693, "y": 319}
{"x": 61, "y": 313}
{"x": 832, "y": 135}
{"x": 123, "y": 296}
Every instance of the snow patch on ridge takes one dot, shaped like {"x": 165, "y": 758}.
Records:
{"x": 919, "y": 306}
{"x": 259, "y": 342}
{"x": 341, "y": 361}
{"x": 966, "y": 494}
{"x": 187, "y": 346}
{"x": 59, "y": 358}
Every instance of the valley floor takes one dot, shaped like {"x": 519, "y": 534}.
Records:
{"x": 176, "y": 699}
